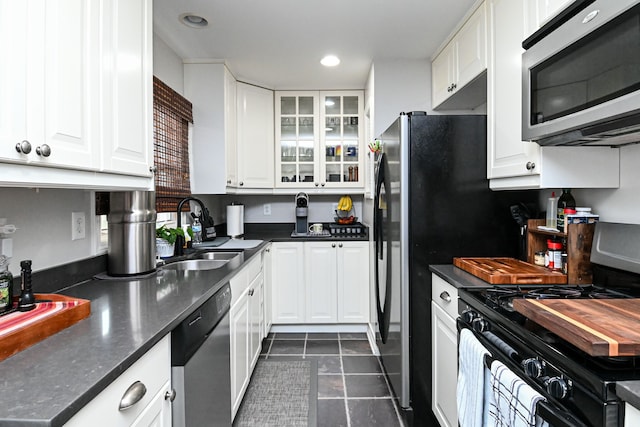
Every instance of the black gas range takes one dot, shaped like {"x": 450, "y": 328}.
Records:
{"x": 580, "y": 389}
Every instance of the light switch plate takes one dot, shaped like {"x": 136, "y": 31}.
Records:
{"x": 78, "y": 225}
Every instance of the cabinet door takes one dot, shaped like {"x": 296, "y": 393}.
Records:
{"x": 445, "y": 366}
{"x": 320, "y": 280}
{"x": 239, "y": 321}
{"x": 472, "y": 48}
{"x": 507, "y": 155}
{"x": 128, "y": 87}
{"x": 442, "y": 74}
{"x": 353, "y": 282}
{"x": 158, "y": 411}
{"x": 297, "y": 139}
{"x": 255, "y": 320}
{"x": 341, "y": 148}
{"x": 267, "y": 291}
{"x": 230, "y": 131}
{"x": 288, "y": 282}
{"x": 255, "y": 136}
{"x": 46, "y": 85}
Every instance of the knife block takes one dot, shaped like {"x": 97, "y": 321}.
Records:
{"x": 578, "y": 238}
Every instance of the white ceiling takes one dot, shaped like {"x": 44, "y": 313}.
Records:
{"x": 279, "y": 43}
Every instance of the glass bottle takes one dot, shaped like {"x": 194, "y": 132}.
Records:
{"x": 6, "y": 285}
{"x": 566, "y": 201}
{"x": 196, "y": 227}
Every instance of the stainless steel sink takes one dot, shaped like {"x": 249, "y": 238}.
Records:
{"x": 196, "y": 264}
{"x": 217, "y": 255}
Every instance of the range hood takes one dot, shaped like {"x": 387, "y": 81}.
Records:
{"x": 617, "y": 132}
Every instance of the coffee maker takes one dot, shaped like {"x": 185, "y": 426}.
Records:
{"x": 302, "y": 213}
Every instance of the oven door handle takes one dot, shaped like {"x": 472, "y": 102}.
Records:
{"x": 555, "y": 417}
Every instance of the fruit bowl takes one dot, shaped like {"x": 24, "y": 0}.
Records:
{"x": 346, "y": 220}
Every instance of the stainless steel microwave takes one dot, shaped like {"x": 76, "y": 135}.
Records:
{"x": 581, "y": 76}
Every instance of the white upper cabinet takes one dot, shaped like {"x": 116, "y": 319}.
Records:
{"x": 511, "y": 162}
{"x": 212, "y": 91}
{"x": 255, "y": 136}
{"x": 77, "y": 94}
{"x": 539, "y": 12}
{"x": 319, "y": 140}
{"x": 46, "y": 83}
{"x": 127, "y": 131}
{"x": 456, "y": 72}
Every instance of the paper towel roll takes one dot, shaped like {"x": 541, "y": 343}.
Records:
{"x": 235, "y": 220}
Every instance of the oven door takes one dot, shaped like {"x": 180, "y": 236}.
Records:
{"x": 581, "y": 82}
{"x": 549, "y": 411}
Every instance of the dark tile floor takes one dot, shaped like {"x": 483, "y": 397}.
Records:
{"x": 352, "y": 390}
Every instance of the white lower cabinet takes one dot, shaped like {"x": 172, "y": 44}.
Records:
{"x": 631, "y": 415}
{"x": 320, "y": 282}
{"x": 444, "y": 305}
{"x": 153, "y": 370}
{"x": 245, "y": 317}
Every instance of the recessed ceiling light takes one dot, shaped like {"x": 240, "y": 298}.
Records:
{"x": 330, "y": 61}
{"x": 193, "y": 21}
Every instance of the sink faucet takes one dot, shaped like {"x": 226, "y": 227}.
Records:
{"x": 177, "y": 249}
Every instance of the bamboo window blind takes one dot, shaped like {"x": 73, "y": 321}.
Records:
{"x": 172, "y": 114}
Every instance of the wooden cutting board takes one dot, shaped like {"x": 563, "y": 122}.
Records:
{"x": 599, "y": 327}
{"x": 509, "y": 271}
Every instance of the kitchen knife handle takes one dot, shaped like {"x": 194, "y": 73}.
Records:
{"x": 133, "y": 395}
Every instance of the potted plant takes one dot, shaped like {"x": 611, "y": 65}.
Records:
{"x": 165, "y": 240}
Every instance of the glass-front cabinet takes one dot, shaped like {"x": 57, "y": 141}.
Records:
{"x": 319, "y": 139}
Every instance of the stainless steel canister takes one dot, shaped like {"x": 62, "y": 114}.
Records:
{"x": 132, "y": 233}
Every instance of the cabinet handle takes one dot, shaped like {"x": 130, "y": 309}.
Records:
{"x": 170, "y": 395}
{"x": 250, "y": 292}
{"x": 333, "y": 245}
{"x": 340, "y": 245}
{"x": 133, "y": 395}
{"x": 445, "y": 296}
{"x": 43, "y": 150}
{"x": 23, "y": 147}
{"x": 530, "y": 166}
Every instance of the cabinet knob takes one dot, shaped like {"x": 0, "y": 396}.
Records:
{"x": 241, "y": 183}
{"x": 317, "y": 184}
{"x": 333, "y": 245}
{"x": 133, "y": 395}
{"x": 153, "y": 169}
{"x": 228, "y": 181}
{"x": 267, "y": 250}
{"x": 454, "y": 86}
{"x": 530, "y": 166}
{"x": 23, "y": 147}
{"x": 340, "y": 245}
{"x": 250, "y": 292}
{"x": 170, "y": 395}
{"x": 43, "y": 150}
{"x": 322, "y": 184}
{"x": 445, "y": 296}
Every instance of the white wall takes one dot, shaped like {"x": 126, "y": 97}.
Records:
{"x": 167, "y": 65}
{"x": 43, "y": 219}
{"x": 617, "y": 205}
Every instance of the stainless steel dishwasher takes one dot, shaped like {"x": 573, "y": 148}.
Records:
{"x": 200, "y": 365}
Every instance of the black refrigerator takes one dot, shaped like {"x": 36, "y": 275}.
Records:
{"x": 432, "y": 203}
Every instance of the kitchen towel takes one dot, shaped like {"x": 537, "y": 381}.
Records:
{"x": 235, "y": 220}
{"x": 511, "y": 401}
{"x": 471, "y": 375}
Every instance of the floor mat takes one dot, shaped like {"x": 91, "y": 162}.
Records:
{"x": 281, "y": 393}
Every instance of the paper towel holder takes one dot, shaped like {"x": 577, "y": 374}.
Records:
{"x": 235, "y": 220}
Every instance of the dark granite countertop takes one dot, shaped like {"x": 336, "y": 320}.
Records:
{"x": 46, "y": 384}
{"x": 628, "y": 391}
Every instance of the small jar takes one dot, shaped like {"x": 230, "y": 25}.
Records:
{"x": 538, "y": 258}
{"x": 565, "y": 268}
{"x": 555, "y": 255}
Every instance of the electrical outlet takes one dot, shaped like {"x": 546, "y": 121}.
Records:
{"x": 266, "y": 208}
{"x": 78, "y": 224}
{"x": 334, "y": 208}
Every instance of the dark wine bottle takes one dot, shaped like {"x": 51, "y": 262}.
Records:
{"x": 566, "y": 201}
